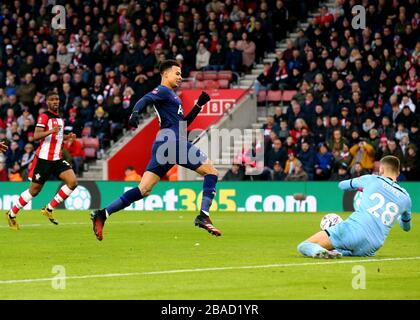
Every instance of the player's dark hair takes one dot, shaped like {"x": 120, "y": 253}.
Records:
{"x": 393, "y": 163}
{"x": 50, "y": 94}
{"x": 167, "y": 64}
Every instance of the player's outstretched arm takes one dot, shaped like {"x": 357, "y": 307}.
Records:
{"x": 202, "y": 100}
{"x": 138, "y": 107}
{"x": 405, "y": 218}
{"x": 352, "y": 184}
{"x": 405, "y": 221}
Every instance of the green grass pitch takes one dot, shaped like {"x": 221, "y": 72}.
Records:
{"x": 164, "y": 256}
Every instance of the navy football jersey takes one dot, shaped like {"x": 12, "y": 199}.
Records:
{"x": 168, "y": 107}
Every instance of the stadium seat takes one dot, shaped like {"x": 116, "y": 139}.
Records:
{"x": 193, "y": 74}
{"x": 186, "y": 85}
{"x": 288, "y": 95}
{"x": 211, "y": 84}
{"x": 91, "y": 143}
{"x": 223, "y": 83}
{"x": 199, "y": 76}
{"x": 210, "y": 75}
{"x": 86, "y": 132}
{"x": 274, "y": 95}
{"x": 225, "y": 74}
{"x": 90, "y": 153}
{"x": 200, "y": 85}
{"x": 262, "y": 96}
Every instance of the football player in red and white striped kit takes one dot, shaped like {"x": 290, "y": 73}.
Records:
{"x": 48, "y": 160}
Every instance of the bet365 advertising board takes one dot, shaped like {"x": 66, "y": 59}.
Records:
{"x": 186, "y": 196}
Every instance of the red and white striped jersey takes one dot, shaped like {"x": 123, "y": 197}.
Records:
{"x": 52, "y": 145}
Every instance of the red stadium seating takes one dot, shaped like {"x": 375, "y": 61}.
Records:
{"x": 288, "y": 95}
{"x": 274, "y": 95}
{"x": 210, "y": 75}
{"x": 90, "y": 153}
{"x": 86, "y": 132}
{"x": 262, "y": 96}
{"x": 211, "y": 84}
{"x": 186, "y": 85}
{"x": 199, "y": 76}
{"x": 223, "y": 83}
{"x": 200, "y": 85}
{"x": 91, "y": 143}
{"x": 225, "y": 74}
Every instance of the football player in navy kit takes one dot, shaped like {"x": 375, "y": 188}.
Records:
{"x": 170, "y": 147}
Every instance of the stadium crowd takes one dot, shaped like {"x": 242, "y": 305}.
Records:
{"x": 108, "y": 56}
{"x": 357, "y": 100}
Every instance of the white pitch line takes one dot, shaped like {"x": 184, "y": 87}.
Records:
{"x": 112, "y": 275}
{"x": 90, "y": 223}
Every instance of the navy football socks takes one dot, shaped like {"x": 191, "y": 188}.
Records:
{"x": 209, "y": 190}
{"x": 124, "y": 201}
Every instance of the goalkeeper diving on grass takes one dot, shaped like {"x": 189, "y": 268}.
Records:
{"x": 170, "y": 147}
{"x": 383, "y": 203}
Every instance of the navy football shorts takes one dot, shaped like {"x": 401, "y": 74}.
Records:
{"x": 165, "y": 154}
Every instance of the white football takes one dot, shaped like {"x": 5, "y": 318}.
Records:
{"x": 329, "y": 220}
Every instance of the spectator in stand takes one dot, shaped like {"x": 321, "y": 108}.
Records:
{"x": 279, "y": 115}
{"x": 101, "y": 130}
{"x": 319, "y": 131}
{"x": 277, "y": 153}
{"x": 75, "y": 148}
{"x": 401, "y": 132}
{"x": 247, "y": 47}
{"x": 14, "y": 173}
{"x": 337, "y": 142}
{"x": 27, "y": 159}
{"x": 297, "y": 174}
{"x": 280, "y": 18}
{"x": 414, "y": 135}
{"x": 357, "y": 170}
{"x": 324, "y": 162}
{"x": 364, "y": 154}
{"x": 202, "y": 57}
{"x": 306, "y": 155}
{"x": 391, "y": 149}
{"x": 13, "y": 155}
{"x": 278, "y": 173}
{"x": 263, "y": 81}
{"x": 410, "y": 164}
{"x": 386, "y": 128}
{"x": 283, "y": 133}
{"x": 131, "y": 174}
{"x": 234, "y": 58}
{"x": 4, "y": 174}
{"x": 296, "y": 131}
{"x": 342, "y": 173}
{"x": 279, "y": 76}
{"x": 406, "y": 117}
{"x": 235, "y": 173}
{"x": 217, "y": 59}
{"x": 291, "y": 162}
{"x": 344, "y": 156}
{"x": 269, "y": 126}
